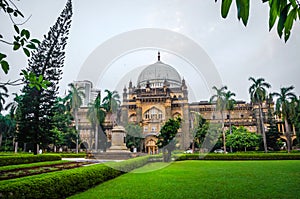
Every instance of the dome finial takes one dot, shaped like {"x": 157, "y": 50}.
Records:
{"x": 158, "y": 56}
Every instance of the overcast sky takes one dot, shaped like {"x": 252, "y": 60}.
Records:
{"x": 237, "y": 52}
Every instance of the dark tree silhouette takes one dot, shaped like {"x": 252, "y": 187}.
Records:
{"x": 46, "y": 62}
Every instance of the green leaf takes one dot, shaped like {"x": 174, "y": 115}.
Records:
{"x": 31, "y": 46}
{"x": 2, "y": 56}
{"x": 24, "y": 72}
{"x": 16, "y": 45}
{"x": 19, "y": 13}
{"x": 15, "y": 14}
{"x": 45, "y": 84}
{"x": 290, "y": 19}
{"x": 282, "y": 19}
{"x": 273, "y": 14}
{"x": 40, "y": 78}
{"x": 289, "y": 23}
{"x": 5, "y": 66}
{"x": 9, "y": 10}
{"x": 35, "y": 41}
{"x": 17, "y": 29}
{"x": 26, "y": 51}
{"x": 25, "y": 33}
{"x": 225, "y": 7}
{"x": 243, "y": 8}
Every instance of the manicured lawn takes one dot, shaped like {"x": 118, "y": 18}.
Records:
{"x": 205, "y": 179}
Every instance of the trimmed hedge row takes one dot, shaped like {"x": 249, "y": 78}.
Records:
{"x": 68, "y": 182}
{"x": 24, "y": 159}
{"x": 259, "y": 156}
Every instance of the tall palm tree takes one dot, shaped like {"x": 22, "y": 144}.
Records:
{"x": 111, "y": 102}
{"x": 96, "y": 115}
{"x": 283, "y": 105}
{"x": 14, "y": 112}
{"x": 74, "y": 101}
{"x": 230, "y": 102}
{"x": 219, "y": 99}
{"x": 258, "y": 94}
{"x": 3, "y": 95}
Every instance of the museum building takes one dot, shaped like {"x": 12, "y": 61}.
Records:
{"x": 160, "y": 94}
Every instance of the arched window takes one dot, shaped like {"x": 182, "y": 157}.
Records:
{"x": 153, "y": 114}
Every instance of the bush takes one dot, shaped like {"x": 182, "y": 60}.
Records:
{"x": 68, "y": 182}
{"x": 24, "y": 159}
{"x": 239, "y": 156}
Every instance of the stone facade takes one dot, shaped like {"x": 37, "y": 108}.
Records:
{"x": 161, "y": 94}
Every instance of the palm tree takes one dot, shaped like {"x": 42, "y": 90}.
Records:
{"x": 74, "y": 101}
{"x": 258, "y": 94}
{"x": 230, "y": 102}
{"x": 96, "y": 115}
{"x": 3, "y": 95}
{"x": 219, "y": 99}
{"x": 111, "y": 102}
{"x": 14, "y": 112}
{"x": 283, "y": 105}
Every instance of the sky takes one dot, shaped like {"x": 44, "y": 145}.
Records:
{"x": 233, "y": 51}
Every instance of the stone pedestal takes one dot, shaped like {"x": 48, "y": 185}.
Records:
{"x": 118, "y": 149}
{"x": 118, "y": 143}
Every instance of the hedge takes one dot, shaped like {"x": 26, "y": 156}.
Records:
{"x": 24, "y": 159}
{"x": 258, "y": 156}
{"x": 65, "y": 183}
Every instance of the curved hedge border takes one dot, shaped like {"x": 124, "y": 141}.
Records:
{"x": 24, "y": 159}
{"x": 68, "y": 182}
{"x": 259, "y": 156}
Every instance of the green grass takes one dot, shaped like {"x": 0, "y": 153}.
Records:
{"x": 22, "y": 166}
{"x": 205, "y": 179}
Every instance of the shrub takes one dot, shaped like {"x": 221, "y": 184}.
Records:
{"x": 68, "y": 182}
{"x": 24, "y": 159}
{"x": 239, "y": 156}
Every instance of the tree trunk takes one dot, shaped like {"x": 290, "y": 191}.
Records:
{"x": 0, "y": 139}
{"x": 24, "y": 145}
{"x": 16, "y": 147}
{"x": 230, "y": 130}
{"x": 35, "y": 148}
{"x": 76, "y": 127}
{"x": 223, "y": 132}
{"x": 287, "y": 135}
{"x": 262, "y": 128}
{"x": 193, "y": 145}
{"x": 169, "y": 155}
{"x": 96, "y": 138}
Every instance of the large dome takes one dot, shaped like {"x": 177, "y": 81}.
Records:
{"x": 157, "y": 73}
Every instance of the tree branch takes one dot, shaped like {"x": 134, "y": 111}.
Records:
{"x": 6, "y": 42}
{"x": 13, "y": 83}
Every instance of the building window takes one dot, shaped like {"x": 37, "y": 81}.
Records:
{"x": 228, "y": 116}
{"x": 242, "y": 116}
{"x": 213, "y": 117}
{"x": 145, "y": 128}
{"x": 153, "y": 129}
{"x": 153, "y": 113}
{"x": 160, "y": 115}
{"x": 147, "y": 115}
